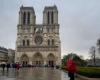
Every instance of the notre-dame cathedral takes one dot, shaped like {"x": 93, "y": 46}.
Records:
{"x": 38, "y": 44}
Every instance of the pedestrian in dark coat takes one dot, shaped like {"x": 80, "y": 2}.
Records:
{"x": 3, "y": 66}
{"x": 8, "y": 66}
{"x": 17, "y": 66}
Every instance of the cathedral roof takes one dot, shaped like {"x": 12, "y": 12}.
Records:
{"x": 51, "y": 7}
{"x": 26, "y": 8}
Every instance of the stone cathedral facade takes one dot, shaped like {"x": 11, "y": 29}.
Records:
{"x": 38, "y": 44}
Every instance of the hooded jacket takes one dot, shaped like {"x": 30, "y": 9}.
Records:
{"x": 71, "y": 66}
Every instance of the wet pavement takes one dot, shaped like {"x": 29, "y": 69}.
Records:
{"x": 33, "y": 74}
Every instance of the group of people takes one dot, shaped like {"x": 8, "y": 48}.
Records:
{"x": 8, "y": 65}
{"x": 70, "y": 66}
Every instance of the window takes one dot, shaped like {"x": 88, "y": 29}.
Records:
{"x": 48, "y": 17}
{"x": 48, "y": 42}
{"x": 24, "y": 18}
{"x": 38, "y": 40}
{"x": 52, "y": 41}
{"x": 52, "y": 17}
{"x": 23, "y": 42}
{"x": 28, "y": 43}
{"x": 28, "y": 18}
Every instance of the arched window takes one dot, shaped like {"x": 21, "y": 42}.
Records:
{"x": 48, "y": 42}
{"x": 23, "y": 42}
{"x": 52, "y": 17}
{"x": 52, "y": 41}
{"x": 24, "y": 18}
{"x": 48, "y": 17}
{"x": 28, "y": 43}
{"x": 28, "y": 18}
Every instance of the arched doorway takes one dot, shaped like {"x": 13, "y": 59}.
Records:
{"x": 37, "y": 60}
{"x": 51, "y": 60}
{"x": 24, "y": 60}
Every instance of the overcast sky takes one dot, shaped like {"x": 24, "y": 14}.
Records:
{"x": 79, "y": 22}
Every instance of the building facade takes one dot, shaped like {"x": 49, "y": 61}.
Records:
{"x": 11, "y": 55}
{"x": 3, "y": 55}
{"x": 38, "y": 44}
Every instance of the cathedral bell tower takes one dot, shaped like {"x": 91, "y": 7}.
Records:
{"x": 50, "y": 15}
{"x": 27, "y": 16}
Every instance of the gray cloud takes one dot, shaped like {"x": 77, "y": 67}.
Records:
{"x": 79, "y": 22}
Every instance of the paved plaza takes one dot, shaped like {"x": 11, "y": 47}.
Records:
{"x": 34, "y": 74}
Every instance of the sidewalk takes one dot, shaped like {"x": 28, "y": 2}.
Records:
{"x": 80, "y": 77}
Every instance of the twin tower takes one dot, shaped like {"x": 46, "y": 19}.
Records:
{"x": 38, "y": 44}
{"x": 27, "y": 16}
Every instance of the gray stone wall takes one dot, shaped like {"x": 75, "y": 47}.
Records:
{"x": 41, "y": 39}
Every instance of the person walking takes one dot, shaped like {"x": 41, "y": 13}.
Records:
{"x": 3, "y": 66}
{"x": 8, "y": 66}
{"x": 17, "y": 66}
{"x": 71, "y": 67}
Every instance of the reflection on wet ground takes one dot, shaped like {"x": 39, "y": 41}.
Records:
{"x": 33, "y": 74}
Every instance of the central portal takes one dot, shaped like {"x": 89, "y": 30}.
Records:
{"x": 37, "y": 60}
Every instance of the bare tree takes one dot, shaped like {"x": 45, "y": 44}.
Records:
{"x": 98, "y": 46}
{"x": 93, "y": 55}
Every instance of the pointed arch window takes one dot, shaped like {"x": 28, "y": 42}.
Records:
{"x": 52, "y": 41}
{"x": 28, "y": 43}
{"x": 52, "y": 17}
{"x": 28, "y": 18}
{"x": 48, "y": 42}
{"x": 23, "y": 42}
{"x": 48, "y": 17}
{"x": 24, "y": 18}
